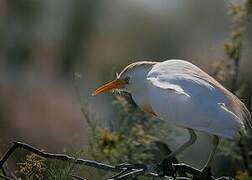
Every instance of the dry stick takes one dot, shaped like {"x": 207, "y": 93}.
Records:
{"x": 121, "y": 173}
{"x": 132, "y": 174}
{"x": 90, "y": 163}
{"x": 63, "y": 157}
{"x": 78, "y": 177}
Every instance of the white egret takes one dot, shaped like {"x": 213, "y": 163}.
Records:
{"x": 181, "y": 93}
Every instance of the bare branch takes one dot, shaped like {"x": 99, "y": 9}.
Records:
{"x": 124, "y": 170}
{"x": 78, "y": 177}
{"x": 63, "y": 157}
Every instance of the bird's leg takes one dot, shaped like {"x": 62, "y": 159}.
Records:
{"x": 190, "y": 142}
{"x": 166, "y": 164}
{"x": 206, "y": 172}
{"x": 212, "y": 153}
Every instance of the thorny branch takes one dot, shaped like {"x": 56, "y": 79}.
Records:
{"x": 124, "y": 171}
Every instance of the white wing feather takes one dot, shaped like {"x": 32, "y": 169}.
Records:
{"x": 193, "y": 102}
{"x": 168, "y": 86}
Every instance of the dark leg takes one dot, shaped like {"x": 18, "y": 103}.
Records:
{"x": 166, "y": 164}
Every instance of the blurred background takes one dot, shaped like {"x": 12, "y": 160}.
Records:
{"x": 43, "y": 43}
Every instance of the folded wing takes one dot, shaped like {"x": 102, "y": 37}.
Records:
{"x": 192, "y": 99}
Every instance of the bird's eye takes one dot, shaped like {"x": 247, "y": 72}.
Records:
{"x": 126, "y": 80}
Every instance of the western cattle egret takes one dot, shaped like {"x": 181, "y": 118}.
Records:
{"x": 181, "y": 93}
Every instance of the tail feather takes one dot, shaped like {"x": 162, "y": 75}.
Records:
{"x": 245, "y": 115}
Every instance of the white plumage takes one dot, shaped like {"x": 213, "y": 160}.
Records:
{"x": 182, "y": 94}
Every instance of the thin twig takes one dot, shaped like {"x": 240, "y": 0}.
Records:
{"x": 78, "y": 177}
{"x": 63, "y": 157}
{"x": 121, "y": 173}
{"x": 7, "y": 155}
{"x": 133, "y": 173}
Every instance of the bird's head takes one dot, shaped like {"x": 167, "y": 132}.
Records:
{"x": 131, "y": 76}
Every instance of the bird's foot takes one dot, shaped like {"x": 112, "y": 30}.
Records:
{"x": 206, "y": 174}
{"x": 165, "y": 168}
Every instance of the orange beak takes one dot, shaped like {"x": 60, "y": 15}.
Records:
{"x": 116, "y": 84}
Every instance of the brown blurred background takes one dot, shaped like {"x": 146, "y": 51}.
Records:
{"x": 42, "y": 44}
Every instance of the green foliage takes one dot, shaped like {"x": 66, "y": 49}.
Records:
{"x": 234, "y": 44}
{"x": 56, "y": 169}
{"x": 233, "y": 49}
{"x": 240, "y": 14}
{"x": 243, "y": 176}
{"x": 248, "y": 5}
{"x": 131, "y": 141}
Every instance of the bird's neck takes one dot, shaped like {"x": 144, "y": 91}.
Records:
{"x": 141, "y": 96}
{"x": 141, "y": 99}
